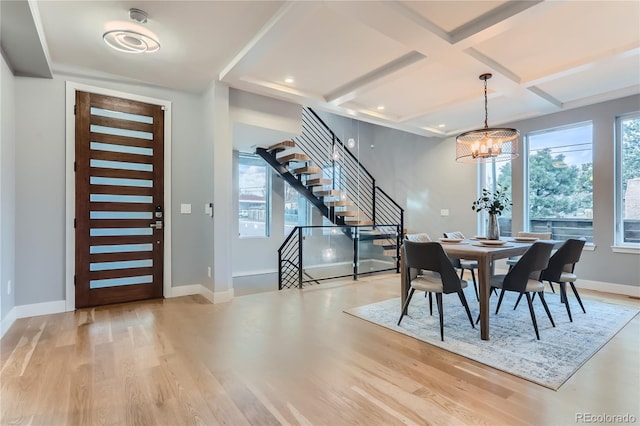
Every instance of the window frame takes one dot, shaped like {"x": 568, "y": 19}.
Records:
{"x": 483, "y": 170}
{"x": 619, "y": 245}
{"x": 526, "y": 224}
{"x": 255, "y": 160}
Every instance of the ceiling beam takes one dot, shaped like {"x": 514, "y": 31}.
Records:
{"x": 350, "y": 90}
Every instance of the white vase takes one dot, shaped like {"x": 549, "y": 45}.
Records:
{"x": 493, "y": 228}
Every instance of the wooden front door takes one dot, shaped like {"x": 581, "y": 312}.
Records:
{"x": 119, "y": 235}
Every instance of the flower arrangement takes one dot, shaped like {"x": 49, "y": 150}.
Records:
{"x": 492, "y": 202}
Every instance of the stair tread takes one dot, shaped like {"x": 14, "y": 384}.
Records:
{"x": 296, "y": 156}
{"x": 328, "y": 193}
{"x": 317, "y": 182}
{"x": 392, "y": 253}
{"x": 350, "y": 213}
{"x": 306, "y": 170}
{"x": 281, "y": 146}
{"x": 354, "y": 221}
{"x": 340, "y": 203}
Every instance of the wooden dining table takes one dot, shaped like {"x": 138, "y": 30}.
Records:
{"x": 472, "y": 249}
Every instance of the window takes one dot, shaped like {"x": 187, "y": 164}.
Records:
{"x": 253, "y": 196}
{"x": 559, "y": 166}
{"x": 296, "y": 209}
{"x": 497, "y": 174}
{"x": 628, "y": 179}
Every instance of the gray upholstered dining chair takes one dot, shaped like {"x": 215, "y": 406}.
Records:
{"x": 463, "y": 264}
{"x": 524, "y": 278}
{"x": 437, "y": 275}
{"x": 540, "y": 235}
{"x": 561, "y": 270}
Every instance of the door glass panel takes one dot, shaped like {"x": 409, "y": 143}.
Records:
{"x": 108, "y": 198}
{"x": 114, "y": 232}
{"x": 99, "y": 146}
{"x": 121, "y": 165}
{"x": 121, "y": 132}
{"x": 121, "y": 115}
{"x": 113, "y": 282}
{"x": 141, "y": 183}
{"x": 107, "y": 266}
{"x": 120, "y": 248}
{"x": 121, "y": 215}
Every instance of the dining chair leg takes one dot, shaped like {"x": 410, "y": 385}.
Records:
{"x": 551, "y": 285}
{"x": 440, "y": 313}
{"x": 475, "y": 285}
{"x": 466, "y": 306}
{"x": 533, "y": 315}
{"x": 517, "y": 302}
{"x": 406, "y": 304}
{"x": 546, "y": 308}
{"x": 430, "y": 304}
{"x": 575, "y": 291}
{"x": 563, "y": 296}
{"x": 499, "y": 301}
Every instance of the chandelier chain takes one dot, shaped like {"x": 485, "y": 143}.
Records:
{"x": 486, "y": 113}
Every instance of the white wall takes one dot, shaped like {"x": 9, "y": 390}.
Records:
{"x": 40, "y": 185}
{"x": 7, "y": 193}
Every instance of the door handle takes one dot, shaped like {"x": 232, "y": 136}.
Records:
{"x": 157, "y": 225}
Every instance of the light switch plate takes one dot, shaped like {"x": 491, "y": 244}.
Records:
{"x": 185, "y": 208}
{"x": 444, "y": 212}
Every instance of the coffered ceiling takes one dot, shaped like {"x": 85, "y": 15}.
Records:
{"x": 411, "y": 65}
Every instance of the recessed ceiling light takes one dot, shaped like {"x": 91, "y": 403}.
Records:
{"x": 289, "y": 80}
{"x": 130, "y": 42}
{"x": 441, "y": 126}
{"x": 380, "y": 107}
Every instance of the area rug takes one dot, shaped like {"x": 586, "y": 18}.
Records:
{"x": 513, "y": 347}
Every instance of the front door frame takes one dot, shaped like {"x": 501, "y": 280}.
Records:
{"x": 70, "y": 186}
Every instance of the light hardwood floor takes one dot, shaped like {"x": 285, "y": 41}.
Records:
{"x": 290, "y": 357}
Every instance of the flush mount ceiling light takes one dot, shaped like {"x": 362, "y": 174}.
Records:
{"x": 487, "y": 144}
{"x": 132, "y": 41}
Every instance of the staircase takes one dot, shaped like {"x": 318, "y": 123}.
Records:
{"x": 321, "y": 168}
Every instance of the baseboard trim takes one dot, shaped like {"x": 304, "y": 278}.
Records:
{"x": 185, "y": 290}
{"x": 627, "y": 290}
{"x": 213, "y": 297}
{"x": 7, "y": 321}
{"x": 222, "y": 296}
{"x": 37, "y": 309}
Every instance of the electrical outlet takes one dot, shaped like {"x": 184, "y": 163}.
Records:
{"x": 209, "y": 271}
{"x": 9, "y": 288}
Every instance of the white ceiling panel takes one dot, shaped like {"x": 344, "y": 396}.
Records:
{"x": 449, "y": 15}
{"x": 324, "y": 51}
{"x": 425, "y": 87}
{"x": 597, "y": 80}
{"x": 566, "y": 35}
{"x": 191, "y": 34}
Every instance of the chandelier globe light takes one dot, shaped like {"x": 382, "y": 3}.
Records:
{"x": 489, "y": 143}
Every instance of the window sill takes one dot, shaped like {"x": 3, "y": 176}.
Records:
{"x": 626, "y": 249}
{"x": 589, "y": 247}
